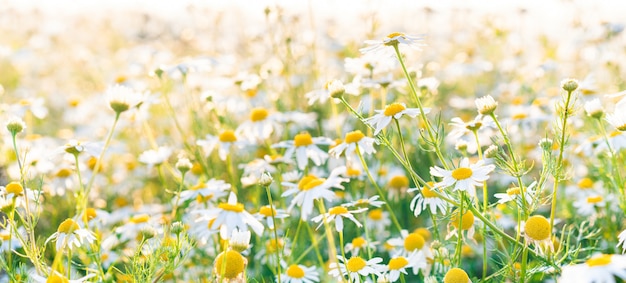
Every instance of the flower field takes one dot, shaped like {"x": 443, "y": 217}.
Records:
{"x": 313, "y": 141}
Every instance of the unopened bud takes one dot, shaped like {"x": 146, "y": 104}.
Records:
{"x": 569, "y": 84}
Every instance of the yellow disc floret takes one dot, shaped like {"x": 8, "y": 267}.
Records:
{"x": 395, "y": 34}
{"x": 513, "y": 191}
{"x": 14, "y": 188}
{"x": 68, "y": 226}
{"x": 456, "y": 275}
{"x": 375, "y": 214}
{"x": 397, "y": 263}
{"x": 238, "y": 207}
{"x": 267, "y": 211}
{"x": 462, "y": 173}
{"x": 393, "y": 109}
{"x": 359, "y": 242}
{"x": 354, "y": 136}
{"x": 294, "y": 271}
{"x": 302, "y": 139}
{"x": 234, "y": 264}
{"x": 141, "y": 218}
{"x": 258, "y": 114}
{"x": 399, "y": 181}
{"x": 467, "y": 220}
{"x": 428, "y": 193}
{"x": 413, "y": 242}
{"x": 585, "y": 183}
{"x": 595, "y": 199}
{"x": 338, "y": 210}
{"x": 309, "y": 182}
{"x": 600, "y": 260}
{"x": 355, "y": 264}
{"x": 53, "y": 278}
{"x": 228, "y": 136}
{"x": 537, "y": 228}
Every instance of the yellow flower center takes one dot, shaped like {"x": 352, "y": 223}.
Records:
{"x": 393, "y": 109}
{"x": 199, "y": 186}
{"x": 355, "y": 264}
{"x": 600, "y": 260}
{"x": 594, "y": 200}
{"x": 585, "y": 183}
{"x": 519, "y": 116}
{"x": 399, "y": 181}
{"x": 537, "y": 228}
{"x": 359, "y": 242}
{"x": 234, "y": 264}
{"x": 203, "y": 199}
{"x": 337, "y": 210}
{"x": 375, "y": 214}
{"x": 614, "y": 134}
{"x": 294, "y": 271}
{"x": 63, "y": 173}
{"x": 397, "y": 263}
{"x": 14, "y": 188}
{"x": 354, "y": 136}
{"x": 5, "y": 236}
{"x": 309, "y": 182}
{"x": 228, "y": 136}
{"x": 394, "y": 34}
{"x": 68, "y": 226}
{"x": 238, "y": 207}
{"x": 462, "y": 173}
{"x": 53, "y": 278}
{"x": 424, "y": 233}
{"x": 303, "y": 139}
{"x": 90, "y": 213}
{"x": 267, "y": 211}
{"x": 428, "y": 193}
{"x": 141, "y": 218}
{"x": 258, "y": 114}
{"x": 513, "y": 191}
{"x": 272, "y": 246}
{"x": 413, "y": 242}
{"x": 467, "y": 220}
{"x": 353, "y": 172}
{"x": 456, "y": 275}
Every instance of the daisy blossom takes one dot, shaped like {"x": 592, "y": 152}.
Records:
{"x": 71, "y": 235}
{"x": 229, "y": 216}
{"x": 351, "y": 142}
{"x": 355, "y": 267}
{"x": 427, "y": 199}
{"x": 337, "y": 213}
{"x": 224, "y": 143}
{"x": 298, "y": 273}
{"x": 600, "y": 268}
{"x": 384, "y": 47}
{"x": 392, "y": 111}
{"x": 515, "y": 194}
{"x": 212, "y": 189}
{"x": 310, "y": 188}
{"x": 464, "y": 178}
{"x": 399, "y": 264}
{"x": 260, "y": 125}
{"x": 305, "y": 148}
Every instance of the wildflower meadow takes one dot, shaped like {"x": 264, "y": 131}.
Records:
{"x": 313, "y": 141}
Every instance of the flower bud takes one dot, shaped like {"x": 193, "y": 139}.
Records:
{"x": 569, "y": 84}
{"x": 183, "y": 165}
{"x": 15, "y": 126}
{"x": 336, "y": 88}
{"x": 266, "y": 179}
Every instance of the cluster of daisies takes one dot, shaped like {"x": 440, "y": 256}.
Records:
{"x": 375, "y": 181}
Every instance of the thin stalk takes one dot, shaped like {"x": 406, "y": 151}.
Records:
{"x": 272, "y": 209}
{"x": 459, "y": 228}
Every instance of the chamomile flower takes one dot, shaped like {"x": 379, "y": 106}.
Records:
{"x": 260, "y": 125}
{"x": 467, "y": 223}
{"x": 229, "y": 265}
{"x": 427, "y": 199}
{"x": 399, "y": 264}
{"x": 14, "y": 194}
{"x": 310, "y": 188}
{"x": 398, "y": 186}
{"x": 599, "y": 268}
{"x": 298, "y": 273}
{"x": 305, "y": 148}
{"x": 456, "y": 275}
{"x": 373, "y": 201}
{"x": 229, "y": 216}
{"x": 537, "y": 231}
{"x": 359, "y": 243}
{"x": 225, "y": 142}
{"x": 8, "y": 238}
{"x": 355, "y": 267}
{"x": 464, "y": 178}
{"x": 122, "y": 98}
{"x": 212, "y": 189}
{"x": 353, "y": 140}
{"x": 587, "y": 206}
{"x": 617, "y": 119}
{"x": 378, "y": 220}
{"x": 486, "y": 105}
{"x": 392, "y": 111}
{"x": 515, "y": 194}
{"x": 267, "y": 211}
{"x": 385, "y": 46}
{"x": 408, "y": 243}
{"x": 622, "y": 239}
{"x": 334, "y": 87}
{"x": 70, "y": 235}
{"x": 338, "y": 213}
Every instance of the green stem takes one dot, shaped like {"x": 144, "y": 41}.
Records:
{"x": 459, "y": 228}
{"x": 272, "y": 209}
